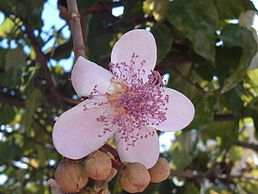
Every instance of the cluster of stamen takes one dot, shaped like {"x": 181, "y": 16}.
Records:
{"x": 133, "y": 103}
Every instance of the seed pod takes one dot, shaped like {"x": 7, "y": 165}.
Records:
{"x": 98, "y": 166}
{"x": 70, "y": 176}
{"x": 135, "y": 178}
{"x": 160, "y": 171}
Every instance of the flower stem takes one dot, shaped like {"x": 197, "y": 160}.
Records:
{"x": 76, "y": 30}
{"x": 116, "y": 164}
{"x": 112, "y": 150}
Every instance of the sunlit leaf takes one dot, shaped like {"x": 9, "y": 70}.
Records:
{"x": 8, "y": 28}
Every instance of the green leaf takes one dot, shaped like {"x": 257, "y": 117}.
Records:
{"x": 188, "y": 188}
{"x": 236, "y": 104}
{"x": 250, "y": 186}
{"x": 11, "y": 77}
{"x": 229, "y": 9}
{"x": 8, "y": 28}
{"x": 165, "y": 187}
{"x": 32, "y": 103}
{"x": 203, "y": 67}
{"x": 197, "y": 21}
{"x": 29, "y": 78}
{"x": 15, "y": 57}
{"x": 148, "y": 7}
{"x": 252, "y": 79}
{"x": 251, "y": 110}
{"x": 2, "y": 58}
{"x": 157, "y": 8}
{"x": 235, "y": 153}
{"x": 181, "y": 160}
{"x": 27, "y": 9}
{"x": 99, "y": 39}
{"x": 82, "y": 4}
{"x": 7, "y": 113}
{"x": 204, "y": 105}
{"x": 163, "y": 38}
{"x": 9, "y": 151}
{"x": 234, "y": 35}
{"x": 132, "y": 9}
{"x": 227, "y": 61}
{"x": 180, "y": 157}
{"x": 225, "y": 132}
{"x": 160, "y": 9}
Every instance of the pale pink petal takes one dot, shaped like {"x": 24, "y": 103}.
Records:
{"x": 142, "y": 43}
{"x": 86, "y": 74}
{"x": 180, "y": 111}
{"x": 145, "y": 151}
{"x": 76, "y": 132}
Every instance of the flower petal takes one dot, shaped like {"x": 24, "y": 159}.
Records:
{"x": 145, "y": 151}
{"x": 76, "y": 132}
{"x": 142, "y": 43}
{"x": 86, "y": 75}
{"x": 180, "y": 111}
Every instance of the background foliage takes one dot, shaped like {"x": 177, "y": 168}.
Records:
{"x": 200, "y": 45}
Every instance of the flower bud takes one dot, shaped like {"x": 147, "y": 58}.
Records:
{"x": 98, "y": 166}
{"x": 112, "y": 174}
{"x": 135, "y": 178}
{"x": 160, "y": 171}
{"x": 70, "y": 176}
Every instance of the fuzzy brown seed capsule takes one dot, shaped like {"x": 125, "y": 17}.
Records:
{"x": 135, "y": 178}
{"x": 70, "y": 176}
{"x": 98, "y": 166}
{"x": 160, "y": 171}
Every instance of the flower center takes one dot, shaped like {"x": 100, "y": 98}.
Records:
{"x": 133, "y": 104}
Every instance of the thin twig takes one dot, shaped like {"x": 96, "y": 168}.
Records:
{"x": 115, "y": 164}
{"x": 224, "y": 117}
{"x": 247, "y": 145}
{"x": 112, "y": 150}
{"x": 75, "y": 25}
{"x": 12, "y": 101}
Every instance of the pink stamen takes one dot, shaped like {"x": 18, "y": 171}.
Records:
{"x": 133, "y": 104}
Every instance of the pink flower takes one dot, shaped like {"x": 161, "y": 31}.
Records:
{"x": 128, "y": 102}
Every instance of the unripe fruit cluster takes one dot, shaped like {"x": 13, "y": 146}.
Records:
{"x": 135, "y": 177}
{"x": 72, "y": 176}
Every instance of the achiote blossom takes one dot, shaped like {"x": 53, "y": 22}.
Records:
{"x": 128, "y": 102}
